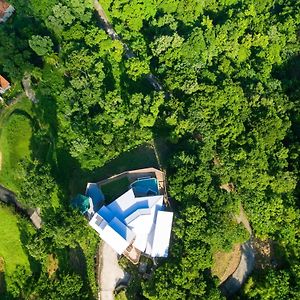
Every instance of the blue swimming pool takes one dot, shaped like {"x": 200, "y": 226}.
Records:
{"x": 145, "y": 187}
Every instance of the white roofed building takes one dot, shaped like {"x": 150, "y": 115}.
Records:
{"x": 133, "y": 225}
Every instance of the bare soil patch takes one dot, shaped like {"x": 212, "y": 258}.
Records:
{"x": 2, "y": 264}
{"x": 52, "y": 265}
{"x": 264, "y": 253}
{"x": 225, "y": 263}
{"x": 228, "y": 187}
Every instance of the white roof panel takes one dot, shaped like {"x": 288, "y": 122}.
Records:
{"x": 98, "y": 223}
{"x": 122, "y": 204}
{"x": 142, "y": 226}
{"x": 140, "y": 242}
{"x": 162, "y": 233}
{"x": 117, "y": 235}
{"x": 113, "y": 239}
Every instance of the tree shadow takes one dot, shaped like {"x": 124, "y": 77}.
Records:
{"x": 25, "y": 237}
{"x": 137, "y": 158}
{"x": 3, "y": 290}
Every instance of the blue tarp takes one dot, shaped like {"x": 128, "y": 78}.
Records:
{"x": 81, "y": 202}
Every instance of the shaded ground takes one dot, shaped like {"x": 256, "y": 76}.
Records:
{"x": 111, "y": 273}
{"x": 140, "y": 157}
{"x": 115, "y": 189}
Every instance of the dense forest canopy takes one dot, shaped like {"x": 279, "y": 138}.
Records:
{"x": 231, "y": 69}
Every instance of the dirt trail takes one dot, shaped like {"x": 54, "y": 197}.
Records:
{"x": 128, "y": 53}
{"x": 242, "y": 218}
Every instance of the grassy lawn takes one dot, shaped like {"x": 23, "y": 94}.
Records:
{"x": 115, "y": 189}
{"x": 10, "y": 243}
{"x": 15, "y": 138}
{"x": 140, "y": 157}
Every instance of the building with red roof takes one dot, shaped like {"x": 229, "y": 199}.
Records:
{"x": 6, "y": 10}
{"x": 4, "y": 85}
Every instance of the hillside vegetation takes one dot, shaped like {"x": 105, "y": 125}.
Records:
{"x": 230, "y": 117}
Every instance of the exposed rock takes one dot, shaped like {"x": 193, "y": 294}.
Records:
{"x": 229, "y": 187}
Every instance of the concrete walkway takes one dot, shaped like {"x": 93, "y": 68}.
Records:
{"x": 247, "y": 261}
{"x": 111, "y": 273}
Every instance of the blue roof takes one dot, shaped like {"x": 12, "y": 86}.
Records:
{"x": 105, "y": 214}
{"x": 94, "y": 192}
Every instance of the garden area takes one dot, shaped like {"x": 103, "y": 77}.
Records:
{"x": 115, "y": 189}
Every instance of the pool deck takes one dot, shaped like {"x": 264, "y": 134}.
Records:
{"x": 133, "y": 175}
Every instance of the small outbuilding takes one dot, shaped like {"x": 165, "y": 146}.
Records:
{"x": 6, "y": 10}
{"x": 36, "y": 219}
{"x": 94, "y": 192}
{"x": 4, "y": 85}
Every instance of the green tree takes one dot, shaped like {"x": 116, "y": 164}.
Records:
{"x": 41, "y": 45}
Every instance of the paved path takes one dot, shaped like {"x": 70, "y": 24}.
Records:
{"x": 236, "y": 280}
{"x": 247, "y": 261}
{"x": 111, "y": 273}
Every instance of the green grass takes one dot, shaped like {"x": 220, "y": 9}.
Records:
{"x": 105, "y": 5}
{"x": 115, "y": 189}
{"x": 121, "y": 296}
{"x": 140, "y": 157}
{"x": 10, "y": 243}
{"x": 15, "y": 138}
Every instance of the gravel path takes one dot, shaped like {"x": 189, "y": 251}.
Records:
{"x": 111, "y": 273}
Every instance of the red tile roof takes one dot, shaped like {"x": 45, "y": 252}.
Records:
{"x": 4, "y": 84}
{"x": 3, "y": 7}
